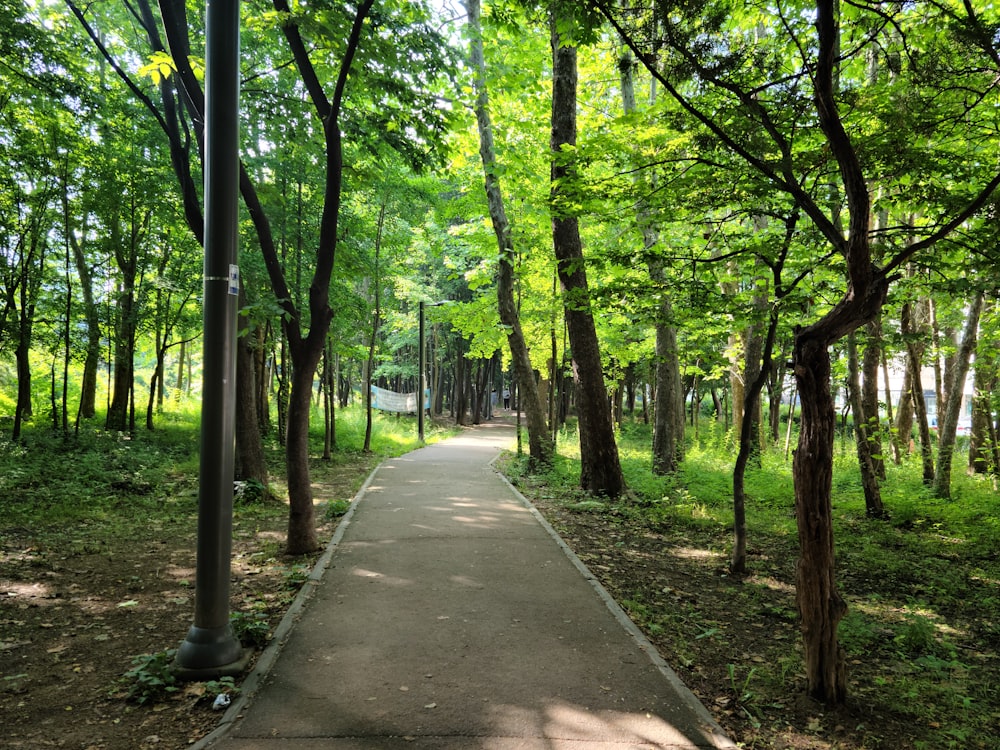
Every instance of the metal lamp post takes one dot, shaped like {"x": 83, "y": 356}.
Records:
{"x": 210, "y": 648}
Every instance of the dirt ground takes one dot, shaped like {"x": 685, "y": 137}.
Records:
{"x": 72, "y": 620}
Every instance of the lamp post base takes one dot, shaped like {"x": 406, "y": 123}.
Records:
{"x": 210, "y": 653}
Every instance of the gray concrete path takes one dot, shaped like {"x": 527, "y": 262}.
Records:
{"x": 447, "y": 614}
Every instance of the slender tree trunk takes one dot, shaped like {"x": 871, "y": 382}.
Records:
{"x": 986, "y": 380}
{"x": 668, "y": 414}
{"x": 328, "y": 401}
{"x": 948, "y": 423}
{"x": 540, "y": 446}
{"x": 870, "y": 360}
{"x": 862, "y": 441}
{"x": 373, "y": 341}
{"x": 284, "y": 383}
{"x": 460, "y": 402}
{"x": 22, "y": 408}
{"x": 914, "y": 351}
{"x": 600, "y": 468}
{"x": 262, "y": 377}
{"x": 753, "y": 350}
{"x": 903, "y": 425}
{"x": 369, "y": 366}
{"x": 88, "y": 384}
{"x": 738, "y": 560}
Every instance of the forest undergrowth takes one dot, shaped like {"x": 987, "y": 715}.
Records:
{"x": 97, "y": 557}
{"x": 921, "y": 637}
{"x": 97, "y": 566}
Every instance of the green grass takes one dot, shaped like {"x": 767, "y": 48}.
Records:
{"x": 99, "y": 478}
{"x": 923, "y": 586}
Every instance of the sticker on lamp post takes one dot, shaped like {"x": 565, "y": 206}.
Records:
{"x": 234, "y": 279}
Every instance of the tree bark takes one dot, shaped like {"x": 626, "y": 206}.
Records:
{"x": 914, "y": 351}
{"x": 903, "y": 425}
{"x": 668, "y": 414}
{"x": 88, "y": 385}
{"x": 948, "y": 423}
{"x": 249, "y": 460}
{"x": 862, "y": 439}
{"x": 306, "y": 350}
{"x": 540, "y": 446}
{"x": 820, "y": 605}
{"x": 373, "y": 342}
{"x": 870, "y": 360}
{"x": 981, "y": 444}
{"x": 301, "y": 513}
{"x": 600, "y": 468}
{"x": 738, "y": 560}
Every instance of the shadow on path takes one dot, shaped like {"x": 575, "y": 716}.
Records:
{"x": 447, "y": 614}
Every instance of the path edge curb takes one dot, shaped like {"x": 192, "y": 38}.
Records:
{"x": 254, "y": 680}
{"x": 713, "y": 729}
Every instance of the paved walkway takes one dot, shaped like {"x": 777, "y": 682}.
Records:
{"x": 446, "y": 614}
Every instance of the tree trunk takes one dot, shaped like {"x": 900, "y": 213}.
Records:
{"x": 668, "y": 414}
{"x": 460, "y": 402}
{"x": 373, "y": 341}
{"x": 862, "y": 441}
{"x": 820, "y": 604}
{"x": 914, "y": 351}
{"x": 600, "y": 468}
{"x": 981, "y": 439}
{"x": 262, "y": 377}
{"x": 302, "y": 537}
{"x": 249, "y": 460}
{"x": 22, "y": 408}
{"x": 329, "y": 402}
{"x": 88, "y": 385}
{"x": 948, "y": 423}
{"x": 540, "y": 447}
{"x": 903, "y": 425}
{"x": 870, "y": 360}
{"x": 738, "y": 560}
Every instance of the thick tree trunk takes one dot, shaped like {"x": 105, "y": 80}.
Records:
{"x": 820, "y": 604}
{"x": 249, "y": 460}
{"x": 600, "y": 468}
{"x": 540, "y": 447}
{"x": 302, "y": 537}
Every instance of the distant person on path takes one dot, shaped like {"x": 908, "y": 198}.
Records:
{"x": 506, "y": 398}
